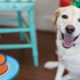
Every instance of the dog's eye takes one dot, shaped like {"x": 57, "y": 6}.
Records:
{"x": 64, "y": 16}
{"x": 79, "y": 20}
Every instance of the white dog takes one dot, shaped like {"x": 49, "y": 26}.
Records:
{"x": 67, "y": 20}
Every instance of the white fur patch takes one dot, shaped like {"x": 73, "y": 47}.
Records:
{"x": 51, "y": 65}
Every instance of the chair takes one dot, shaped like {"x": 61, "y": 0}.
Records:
{"x": 19, "y": 6}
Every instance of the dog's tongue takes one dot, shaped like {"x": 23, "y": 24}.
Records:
{"x": 68, "y": 40}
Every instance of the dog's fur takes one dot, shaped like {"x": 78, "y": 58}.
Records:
{"x": 69, "y": 58}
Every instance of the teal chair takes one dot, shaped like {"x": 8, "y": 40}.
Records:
{"x": 19, "y": 6}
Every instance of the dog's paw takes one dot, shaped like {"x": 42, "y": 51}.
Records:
{"x": 51, "y": 65}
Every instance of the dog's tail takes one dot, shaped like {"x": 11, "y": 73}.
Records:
{"x": 51, "y": 64}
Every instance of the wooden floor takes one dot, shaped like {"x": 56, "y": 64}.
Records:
{"x": 46, "y": 47}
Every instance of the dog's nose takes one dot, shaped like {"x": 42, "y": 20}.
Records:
{"x": 70, "y": 29}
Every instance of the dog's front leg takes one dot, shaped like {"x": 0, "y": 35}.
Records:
{"x": 60, "y": 72}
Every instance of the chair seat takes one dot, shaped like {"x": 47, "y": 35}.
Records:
{"x": 16, "y": 6}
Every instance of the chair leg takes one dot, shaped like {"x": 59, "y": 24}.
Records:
{"x": 20, "y": 25}
{"x": 33, "y": 37}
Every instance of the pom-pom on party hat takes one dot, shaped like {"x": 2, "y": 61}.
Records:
{"x": 76, "y": 3}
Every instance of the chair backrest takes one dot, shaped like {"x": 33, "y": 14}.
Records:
{"x": 16, "y": 0}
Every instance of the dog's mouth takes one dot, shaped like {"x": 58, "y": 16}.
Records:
{"x": 68, "y": 40}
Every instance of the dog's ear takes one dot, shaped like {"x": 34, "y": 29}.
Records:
{"x": 55, "y": 16}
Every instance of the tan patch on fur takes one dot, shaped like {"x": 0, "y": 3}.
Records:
{"x": 57, "y": 13}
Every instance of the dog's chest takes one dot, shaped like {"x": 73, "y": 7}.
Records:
{"x": 71, "y": 63}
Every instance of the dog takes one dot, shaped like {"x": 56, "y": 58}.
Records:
{"x": 67, "y": 22}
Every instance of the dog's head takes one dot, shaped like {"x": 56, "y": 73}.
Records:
{"x": 67, "y": 20}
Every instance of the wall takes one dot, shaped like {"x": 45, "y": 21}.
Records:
{"x": 43, "y": 14}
